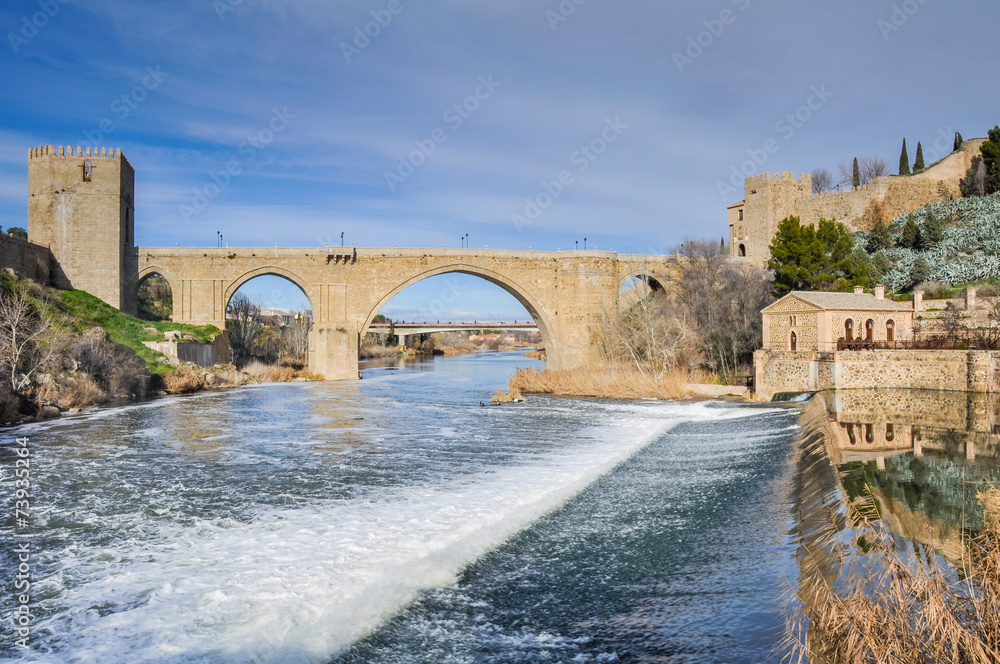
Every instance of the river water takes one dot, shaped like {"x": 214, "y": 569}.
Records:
{"x": 396, "y": 520}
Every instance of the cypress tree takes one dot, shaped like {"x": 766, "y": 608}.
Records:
{"x": 932, "y": 232}
{"x": 879, "y": 265}
{"x": 920, "y": 270}
{"x": 911, "y": 234}
{"x": 958, "y": 141}
{"x": 856, "y": 176}
{"x": 904, "y": 161}
{"x": 880, "y": 238}
{"x": 918, "y": 161}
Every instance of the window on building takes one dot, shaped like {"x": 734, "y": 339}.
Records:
{"x": 890, "y": 432}
{"x": 741, "y": 215}
{"x": 869, "y": 434}
{"x": 87, "y": 168}
{"x": 794, "y": 341}
{"x": 743, "y": 251}
{"x": 869, "y": 329}
{"x": 850, "y": 434}
{"x": 849, "y": 329}
{"x": 890, "y": 331}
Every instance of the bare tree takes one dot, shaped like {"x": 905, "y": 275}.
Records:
{"x": 822, "y": 180}
{"x": 951, "y": 323}
{"x": 871, "y": 168}
{"x": 297, "y": 336}
{"x": 244, "y": 326}
{"x": 868, "y": 168}
{"x": 21, "y": 328}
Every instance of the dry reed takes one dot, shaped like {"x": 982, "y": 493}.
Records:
{"x": 609, "y": 383}
{"x": 890, "y": 607}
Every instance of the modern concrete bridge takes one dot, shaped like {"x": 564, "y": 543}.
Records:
{"x": 404, "y": 329}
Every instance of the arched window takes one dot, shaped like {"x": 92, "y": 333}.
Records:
{"x": 743, "y": 251}
{"x": 794, "y": 340}
{"x": 849, "y": 329}
{"x": 890, "y": 330}
{"x": 869, "y": 434}
{"x": 869, "y": 329}
{"x": 890, "y": 432}
{"x": 87, "y": 168}
{"x": 850, "y": 434}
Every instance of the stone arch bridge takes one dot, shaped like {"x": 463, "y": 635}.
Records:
{"x": 564, "y": 292}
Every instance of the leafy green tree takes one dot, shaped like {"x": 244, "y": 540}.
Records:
{"x": 920, "y": 271}
{"x": 991, "y": 159}
{"x": 918, "y": 161}
{"x": 880, "y": 238}
{"x": 932, "y": 232}
{"x": 807, "y": 258}
{"x": 856, "y": 177}
{"x": 18, "y": 232}
{"x": 879, "y": 266}
{"x": 911, "y": 233}
{"x": 958, "y": 141}
{"x": 904, "y": 161}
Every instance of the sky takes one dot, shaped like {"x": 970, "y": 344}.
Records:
{"x": 522, "y": 123}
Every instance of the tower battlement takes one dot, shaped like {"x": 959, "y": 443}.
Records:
{"x": 69, "y": 151}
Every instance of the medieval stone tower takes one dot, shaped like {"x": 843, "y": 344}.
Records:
{"x": 81, "y": 206}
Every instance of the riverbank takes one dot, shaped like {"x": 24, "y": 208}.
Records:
{"x": 622, "y": 383}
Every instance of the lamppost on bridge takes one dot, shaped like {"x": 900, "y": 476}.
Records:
{"x": 342, "y": 238}
{"x": 584, "y": 244}
{"x": 218, "y": 239}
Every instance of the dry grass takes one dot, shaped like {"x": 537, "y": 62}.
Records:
{"x": 894, "y": 607}
{"x": 80, "y": 392}
{"x": 511, "y": 396}
{"x": 181, "y": 380}
{"x": 268, "y": 373}
{"x": 608, "y": 383}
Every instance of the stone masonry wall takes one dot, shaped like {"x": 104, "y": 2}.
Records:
{"x": 27, "y": 260}
{"x": 949, "y": 370}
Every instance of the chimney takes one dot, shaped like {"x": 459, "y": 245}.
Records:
{"x": 880, "y": 292}
{"x": 859, "y": 290}
{"x": 918, "y": 300}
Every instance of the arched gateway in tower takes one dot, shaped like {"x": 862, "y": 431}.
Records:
{"x": 81, "y": 207}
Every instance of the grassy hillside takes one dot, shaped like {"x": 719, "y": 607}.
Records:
{"x": 76, "y": 310}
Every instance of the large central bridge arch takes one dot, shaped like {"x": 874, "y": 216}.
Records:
{"x": 508, "y": 285}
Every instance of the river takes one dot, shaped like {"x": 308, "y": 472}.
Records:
{"x": 394, "y": 519}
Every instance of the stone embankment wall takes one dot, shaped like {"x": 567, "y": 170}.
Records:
{"x": 26, "y": 260}
{"x": 957, "y": 370}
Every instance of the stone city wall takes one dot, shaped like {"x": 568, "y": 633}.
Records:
{"x": 27, "y": 260}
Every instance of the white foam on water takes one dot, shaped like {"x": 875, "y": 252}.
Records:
{"x": 298, "y": 585}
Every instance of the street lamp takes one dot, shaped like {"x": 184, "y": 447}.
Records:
{"x": 584, "y": 244}
{"x": 342, "y": 238}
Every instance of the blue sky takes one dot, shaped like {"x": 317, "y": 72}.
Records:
{"x": 487, "y": 103}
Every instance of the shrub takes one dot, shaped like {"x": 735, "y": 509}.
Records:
{"x": 80, "y": 392}
{"x": 291, "y": 363}
{"x": 114, "y": 368}
{"x": 181, "y": 380}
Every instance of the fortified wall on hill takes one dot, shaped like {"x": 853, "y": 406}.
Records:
{"x": 771, "y": 198}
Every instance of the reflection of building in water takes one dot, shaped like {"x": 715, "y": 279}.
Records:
{"x": 873, "y": 424}
{"x": 922, "y": 455}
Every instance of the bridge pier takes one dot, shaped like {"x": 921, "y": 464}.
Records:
{"x": 333, "y": 351}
